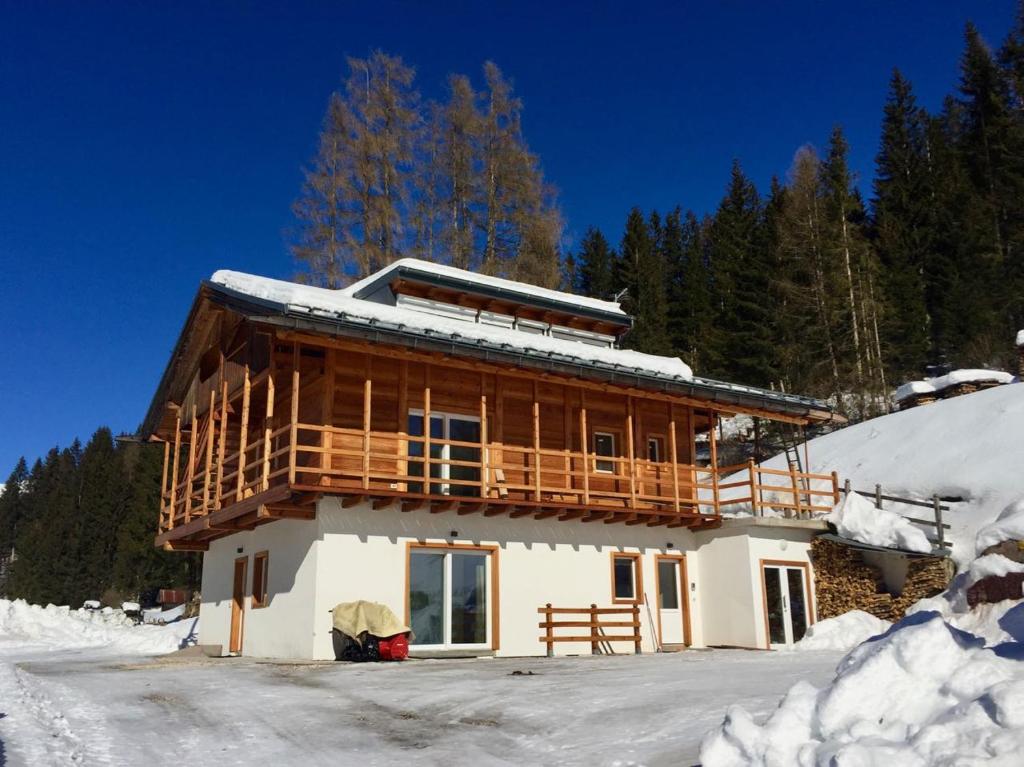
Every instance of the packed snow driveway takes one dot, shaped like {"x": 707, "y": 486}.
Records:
{"x": 90, "y": 707}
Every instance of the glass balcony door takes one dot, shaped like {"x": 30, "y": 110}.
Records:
{"x": 451, "y": 427}
{"x": 450, "y": 598}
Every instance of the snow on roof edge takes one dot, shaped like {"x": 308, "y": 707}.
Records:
{"x": 522, "y": 288}
{"x": 324, "y": 301}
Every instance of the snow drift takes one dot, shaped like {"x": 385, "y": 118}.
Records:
{"x": 844, "y": 632}
{"x": 76, "y": 629}
{"x": 923, "y": 693}
{"x": 858, "y": 519}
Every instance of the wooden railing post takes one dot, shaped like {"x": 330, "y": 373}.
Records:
{"x": 293, "y": 433}
{"x": 163, "y": 488}
{"x": 631, "y": 452}
{"x": 583, "y": 447}
{"x": 267, "y": 431}
{"x": 878, "y": 496}
{"x": 243, "y": 434}
{"x": 594, "y": 636}
{"x": 222, "y": 438}
{"x": 847, "y": 487}
{"x": 549, "y": 632}
{"x": 536, "y": 444}
{"x": 835, "y": 487}
{"x": 937, "y": 505}
{"x": 636, "y": 628}
{"x": 426, "y": 430}
{"x": 174, "y": 469}
{"x": 485, "y": 471}
{"x": 713, "y": 445}
{"x": 190, "y": 469}
{"x": 208, "y": 470}
{"x": 796, "y": 490}
{"x": 755, "y": 504}
{"x": 674, "y": 455}
{"x": 367, "y": 404}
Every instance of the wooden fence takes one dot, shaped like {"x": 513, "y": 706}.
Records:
{"x": 593, "y": 623}
{"x": 935, "y": 504}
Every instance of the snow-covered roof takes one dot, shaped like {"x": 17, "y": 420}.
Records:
{"x": 431, "y": 271}
{"x": 1020, "y": 338}
{"x": 341, "y": 303}
{"x": 956, "y": 377}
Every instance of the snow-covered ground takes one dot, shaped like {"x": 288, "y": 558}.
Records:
{"x": 64, "y": 705}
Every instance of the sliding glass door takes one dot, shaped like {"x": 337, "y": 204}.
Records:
{"x": 450, "y": 598}
{"x": 453, "y": 428}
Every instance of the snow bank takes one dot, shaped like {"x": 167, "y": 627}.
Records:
{"x": 1020, "y": 338}
{"x": 970, "y": 375}
{"x": 909, "y": 389}
{"x": 968, "y": 447}
{"x": 1008, "y": 526}
{"x": 844, "y": 632}
{"x": 858, "y": 519}
{"x": 74, "y": 629}
{"x": 923, "y": 693}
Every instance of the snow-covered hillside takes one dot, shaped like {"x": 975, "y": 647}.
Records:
{"x": 970, "y": 446}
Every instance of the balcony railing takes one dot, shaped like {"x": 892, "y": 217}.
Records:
{"x": 315, "y": 458}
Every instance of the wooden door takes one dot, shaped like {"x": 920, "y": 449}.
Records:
{"x": 238, "y": 605}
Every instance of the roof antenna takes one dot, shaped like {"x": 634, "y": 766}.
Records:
{"x": 620, "y": 295}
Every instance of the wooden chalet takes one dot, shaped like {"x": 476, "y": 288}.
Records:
{"x": 428, "y": 392}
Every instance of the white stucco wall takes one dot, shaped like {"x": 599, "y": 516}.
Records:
{"x": 282, "y": 629}
{"x": 361, "y": 553}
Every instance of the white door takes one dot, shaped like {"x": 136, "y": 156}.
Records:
{"x": 671, "y": 601}
{"x": 785, "y": 593}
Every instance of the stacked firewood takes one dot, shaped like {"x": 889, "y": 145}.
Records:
{"x": 844, "y": 582}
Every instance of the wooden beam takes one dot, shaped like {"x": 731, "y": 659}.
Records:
{"x": 189, "y": 470}
{"x": 222, "y": 436}
{"x": 631, "y": 452}
{"x": 293, "y": 433}
{"x": 367, "y": 398}
{"x": 584, "y": 443}
{"x": 383, "y": 503}
{"x": 174, "y": 471}
{"x": 209, "y": 450}
{"x": 520, "y": 511}
{"x": 414, "y": 504}
{"x": 426, "y": 429}
{"x": 674, "y": 454}
{"x": 595, "y": 515}
{"x": 395, "y": 352}
{"x": 352, "y": 500}
{"x": 186, "y": 546}
{"x": 267, "y": 431}
{"x": 439, "y": 507}
{"x": 713, "y": 440}
{"x": 536, "y": 444}
{"x": 470, "y": 508}
{"x": 403, "y": 422}
{"x": 243, "y": 433}
{"x": 485, "y": 470}
{"x": 327, "y": 414}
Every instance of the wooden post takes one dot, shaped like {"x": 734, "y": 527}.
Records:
{"x": 878, "y": 496}
{"x": 174, "y": 469}
{"x": 209, "y": 451}
{"x": 426, "y": 429}
{"x": 497, "y": 457}
{"x": 583, "y": 447}
{"x": 835, "y": 487}
{"x": 403, "y": 423}
{"x": 267, "y": 429}
{"x": 484, "y": 468}
{"x": 713, "y": 445}
{"x": 636, "y": 627}
{"x": 549, "y": 632}
{"x": 567, "y": 437}
{"x": 755, "y": 506}
{"x": 327, "y": 417}
{"x": 594, "y": 637}
{"x": 847, "y": 488}
{"x": 293, "y": 433}
{"x": 630, "y": 452}
{"x": 937, "y": 505}
{"x": 222, "y": 441}
{"x": 675, "y": 454}
{"x": 367, "y": 397}
{"x": 243, "y": 433}
{"x": 190, "y": 469}
{"x": 796, "y": 489}
{"x": 536, "y": 444}
{"x": 163, "y": 487}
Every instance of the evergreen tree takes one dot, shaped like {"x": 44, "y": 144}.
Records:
{"x": 100, "y": 509}
{"x": 689, "y": 288}
{"x": 12, "y": 512}
{"x": 640, "y": 271}
{"x": 902, "y": 228}
{"x": 594, "y": 266}
{"x": 744, "y": 348}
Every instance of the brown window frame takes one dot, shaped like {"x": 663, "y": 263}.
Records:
{"x": 659, "y": 440}
{"x": 638, "y": 578}
{"x": 260, "y": 569}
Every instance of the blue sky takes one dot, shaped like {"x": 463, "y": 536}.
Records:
{"x": 143, "y": 146}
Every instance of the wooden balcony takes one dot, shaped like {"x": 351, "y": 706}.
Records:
{"x": 249, "y": 449}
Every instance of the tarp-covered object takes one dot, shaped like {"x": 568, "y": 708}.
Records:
{"x": 354, "y": 618}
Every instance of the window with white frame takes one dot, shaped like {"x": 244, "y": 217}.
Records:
{"x": 655, "y": 448}
{"x": 446, "y": 459}
{"x": 450, "y": 596}
{"x": 604, "y": 447}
